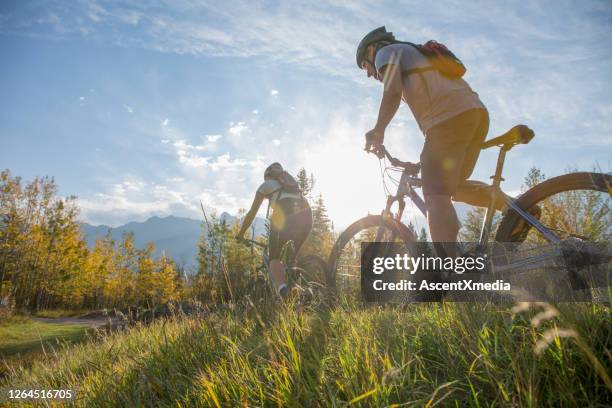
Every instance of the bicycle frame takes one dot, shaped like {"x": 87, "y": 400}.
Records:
{"x": 289, "y": 262}
{"x": 409, "y": 181}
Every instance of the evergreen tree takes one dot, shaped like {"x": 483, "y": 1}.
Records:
{"x": 422, "y": 237}
{"x": 472, "y": 225}
{"x": 305, "y": 183}
{"x": 321, "y": 239}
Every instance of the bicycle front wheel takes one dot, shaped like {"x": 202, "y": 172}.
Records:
{"x": 344, "y": 261}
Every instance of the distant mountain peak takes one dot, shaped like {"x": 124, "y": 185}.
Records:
{"x": 174, "y": 235}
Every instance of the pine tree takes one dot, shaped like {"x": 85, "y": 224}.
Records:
{"x": 422, "y": 237}
{"x": 321, "y": 239}
{"x": 305, "y": 183}
{"x": 472, "y": 225}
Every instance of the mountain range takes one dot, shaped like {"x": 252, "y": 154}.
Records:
{"x": 177, "y": 237}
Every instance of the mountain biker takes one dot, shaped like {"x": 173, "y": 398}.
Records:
{"x": 449, "y": 113}
{"x": 291, "y": 219}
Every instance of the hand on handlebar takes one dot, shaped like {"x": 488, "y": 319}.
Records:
{"x": 378, "y": 150}
{"x": 374, "y": 143}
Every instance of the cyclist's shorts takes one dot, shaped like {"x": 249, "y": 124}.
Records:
{"x": 451, "y": 150}
{"x": 291, "y": 221}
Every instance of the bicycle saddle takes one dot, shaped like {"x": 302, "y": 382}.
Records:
{"x": 520, "y": 134}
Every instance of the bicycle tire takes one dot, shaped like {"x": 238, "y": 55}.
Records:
{"x": 582, "y": 181}
{"x": 396, "y": 228}
{"x": 540, "y": 194}
{"x": 313, "y": 269}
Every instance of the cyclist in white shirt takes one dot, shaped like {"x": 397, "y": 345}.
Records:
{"x": 291, "y": 219}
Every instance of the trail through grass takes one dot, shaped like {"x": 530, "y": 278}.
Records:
{"x": 23, "y": 335}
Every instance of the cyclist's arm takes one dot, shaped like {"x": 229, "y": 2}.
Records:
{"x": 392, "y": 95}
{"x": 250, "y": 216}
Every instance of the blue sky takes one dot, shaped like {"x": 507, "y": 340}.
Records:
{"x": 144, "y": 108}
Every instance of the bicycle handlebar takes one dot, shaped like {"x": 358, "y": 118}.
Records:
{"x": 381, "y": 151}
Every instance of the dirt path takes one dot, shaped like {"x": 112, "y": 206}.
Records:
{"x": 88, "y": 321}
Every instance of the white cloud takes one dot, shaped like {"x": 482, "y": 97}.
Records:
{"x": 165, "y": 141}
{"x": 237, "y": 129}
{"x": 213, "y": 138}
{"x": 274, "y": 92}
{"x": 81, "y": 98}
{"x": 255, "y": 112}
{"x": 192, "y": 160}
{"x": 276, "y": 142}
{"x": 165, "y": 122}
{"x": 128, "y": 108}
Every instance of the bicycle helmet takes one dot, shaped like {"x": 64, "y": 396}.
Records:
{"x": 273, "y": 171}
{"x": 374, "y": 36}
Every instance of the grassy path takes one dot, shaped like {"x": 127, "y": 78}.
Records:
{"x": 24, "y": 335}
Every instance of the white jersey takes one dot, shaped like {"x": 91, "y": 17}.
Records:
{"x": 432, "y": 97}
{"x": 273, "y": 191}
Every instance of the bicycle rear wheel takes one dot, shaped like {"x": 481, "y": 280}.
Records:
{"x": 573, "y": 205}
{"x": 576, "y": 208}
{"x": 344, "y": 261}
{"x": 311, "y": 276}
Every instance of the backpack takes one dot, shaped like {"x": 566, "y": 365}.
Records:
{"x": 290, "y": 185}
{"x": 442, "y": 59}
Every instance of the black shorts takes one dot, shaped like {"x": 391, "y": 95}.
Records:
{"x": 451, "y": 151}
{"x": 291, "y": 221}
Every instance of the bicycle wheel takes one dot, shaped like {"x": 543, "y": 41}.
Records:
{"x": 344, "y": 261}
{"x": 576, "y": 208}
{"x": 573, "y": 205}
{"x": 311, "y": 276}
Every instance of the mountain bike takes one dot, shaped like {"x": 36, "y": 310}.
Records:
{"x": 306, "y": 273}
{"x": 344, "y": 260}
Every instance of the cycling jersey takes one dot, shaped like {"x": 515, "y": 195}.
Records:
{"x": 273, "y": 191}
{"x": 432, "y": 97}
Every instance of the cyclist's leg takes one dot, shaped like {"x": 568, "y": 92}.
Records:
{"x": 448, "y": 158}
{"x": 300, "y": 224}
{"x": 474, "y": 193}
{"x": 443, "y": 221}
{"x": 277, "y": 269}
{"x": 291, "y": 222}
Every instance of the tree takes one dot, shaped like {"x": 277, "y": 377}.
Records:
{"x": 305, "y": 183}
{"x": 534, "y": 176}
{"x": 422, "y": 237}
{"x": 321, "y": 238}
{"x": 472, "y": 225}
{"x": 583, "y": 214}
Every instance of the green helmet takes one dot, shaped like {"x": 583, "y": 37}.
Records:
{"x": 374, "y": 36}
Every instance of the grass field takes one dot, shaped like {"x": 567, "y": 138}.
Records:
{"x": 417, "y": 355}
{"x": 24, "y": 335}
{"x": 24, "y": 340}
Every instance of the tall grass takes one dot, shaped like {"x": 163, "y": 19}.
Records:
{"x": 416, "y": 355}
